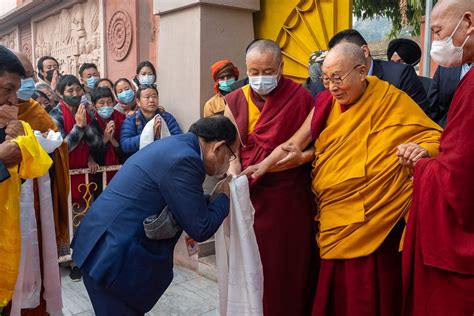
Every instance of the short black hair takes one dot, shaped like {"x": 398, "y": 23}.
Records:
{"x": 215, "y": 128}
{"x": 85, "y": 66}
{"x": 145, "y": 87}
{"x": 119, "y": 81}
{"x": 100, "y": 93}
{"x": 66, "y": 81}
{"x": 349, "y": 35}
{"x": 105, "y": 79}
{"x": 10, "y": 63}
{"x": 42, "y": 59}
{"x": 146, "y": 63}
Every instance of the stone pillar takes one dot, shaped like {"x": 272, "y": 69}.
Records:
{"x": 121, "y": 37}
{"x": 193, "y": 35}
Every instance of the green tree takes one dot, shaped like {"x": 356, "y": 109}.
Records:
{"x": 400, "y": 12}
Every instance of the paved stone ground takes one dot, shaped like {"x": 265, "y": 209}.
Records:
{"x": 188, "y": 294}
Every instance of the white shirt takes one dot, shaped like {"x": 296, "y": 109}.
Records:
{"x": 464, "y": 69}
{"x": 371, "y": 69}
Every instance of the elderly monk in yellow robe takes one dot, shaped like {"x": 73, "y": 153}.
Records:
{"x": 368, "y": 134}
{"x": 21, "y": 157}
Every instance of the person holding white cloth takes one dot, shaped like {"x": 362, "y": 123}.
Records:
{"x": 134, "y": 126}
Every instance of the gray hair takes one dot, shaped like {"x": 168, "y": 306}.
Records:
{"x": 264, "y": 46}
{"x": 42, "y": 85}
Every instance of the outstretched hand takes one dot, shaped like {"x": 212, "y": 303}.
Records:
{"x": 255, "y": 171}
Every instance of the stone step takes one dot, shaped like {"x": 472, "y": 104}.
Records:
{"x": 207, "y": 248}
{"x": 207, "y": 267}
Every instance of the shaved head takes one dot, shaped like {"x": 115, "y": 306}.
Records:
{"x": 347, "y": 53}
{"x": 29, "y": 71}
{"x": 264, "y": 47}
{"x": 446, "y": 15}
{"x": 345, "y": 72}
{"x": 454, "y": 7}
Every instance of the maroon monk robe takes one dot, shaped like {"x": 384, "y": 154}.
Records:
{"x": 369, "y": 285}
{"x": 284, "y": 205}
{"x": 438, "y": 252}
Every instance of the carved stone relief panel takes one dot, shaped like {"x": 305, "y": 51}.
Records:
{"x": 25, "y": 39}
{"x": 119, "y": 35}
{"x": 10, "y": 39}
{"x": 72, "y": 37}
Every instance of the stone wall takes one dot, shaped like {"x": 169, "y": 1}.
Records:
{"x": 72, "y": 36}
{"x": 10, "y": 39}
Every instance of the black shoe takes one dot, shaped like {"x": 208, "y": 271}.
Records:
{"x": 75, "y": 274}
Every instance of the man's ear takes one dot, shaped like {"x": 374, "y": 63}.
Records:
{"x": 470, "y": 27}
{"x": 218, "y": 144}
{"x": 366, "y": 50}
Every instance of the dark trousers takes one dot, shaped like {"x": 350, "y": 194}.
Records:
{"x": 105, "y": 303}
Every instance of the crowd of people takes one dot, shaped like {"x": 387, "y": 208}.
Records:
{"x": 363, "y": 203}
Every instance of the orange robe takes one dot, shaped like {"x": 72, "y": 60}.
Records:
{"x": 364, "y": 194}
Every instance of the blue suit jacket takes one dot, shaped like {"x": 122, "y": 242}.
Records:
{"x": 404, "y": 78}
{"x": 110, "y": 244}
{"x": 442, "y": 88}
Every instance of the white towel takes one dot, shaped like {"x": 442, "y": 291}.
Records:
{"x": 239, "y": 268}
{"x": 148, "y": 134}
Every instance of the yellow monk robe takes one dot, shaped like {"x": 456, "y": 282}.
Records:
{"x": 33, "y": 113}
{"x": 35, "y": 163}
{"x": 362, "y": 189}
{"x": 254, "y": 112}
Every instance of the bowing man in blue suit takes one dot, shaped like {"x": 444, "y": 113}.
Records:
{"x": 125, "y": 273}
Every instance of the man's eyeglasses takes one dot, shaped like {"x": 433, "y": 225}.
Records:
{"x": 337, "y": 81}
{"x": 234, "y": 156}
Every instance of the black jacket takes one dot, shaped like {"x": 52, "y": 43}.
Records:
{"x": 404, "y": 78}
{"x": 441, "y": 92}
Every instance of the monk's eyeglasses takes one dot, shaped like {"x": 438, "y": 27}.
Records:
{"x": 234, "y": 156}
{"x": 337, "y": 81}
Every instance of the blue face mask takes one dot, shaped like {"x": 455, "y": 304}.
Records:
{"x": 91, "y": 82}
{"x": 224, "y": 85}
{"x": 126, "y": 96}
{"x": 26, "y": 89}
{"x": 146, "y": 79}
{"x": 105, "y": 112}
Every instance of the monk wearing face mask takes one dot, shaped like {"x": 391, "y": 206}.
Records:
{"x": 267, "y": 112}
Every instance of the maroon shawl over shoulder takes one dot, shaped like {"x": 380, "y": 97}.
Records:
{"x": 283, "y": 201}
{"x": 438, "y": 254}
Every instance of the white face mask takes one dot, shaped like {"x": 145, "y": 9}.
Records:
{"x": 146, "y": 79}
{"x": 445, "y": 54}
{"x": 263, "y": 85}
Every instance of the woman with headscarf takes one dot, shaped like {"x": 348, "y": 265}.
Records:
{"x": 224, "y": 74}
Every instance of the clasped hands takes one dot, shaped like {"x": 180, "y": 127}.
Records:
{"x": 10, "y": 153}
{"x": 409, "y": 154}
